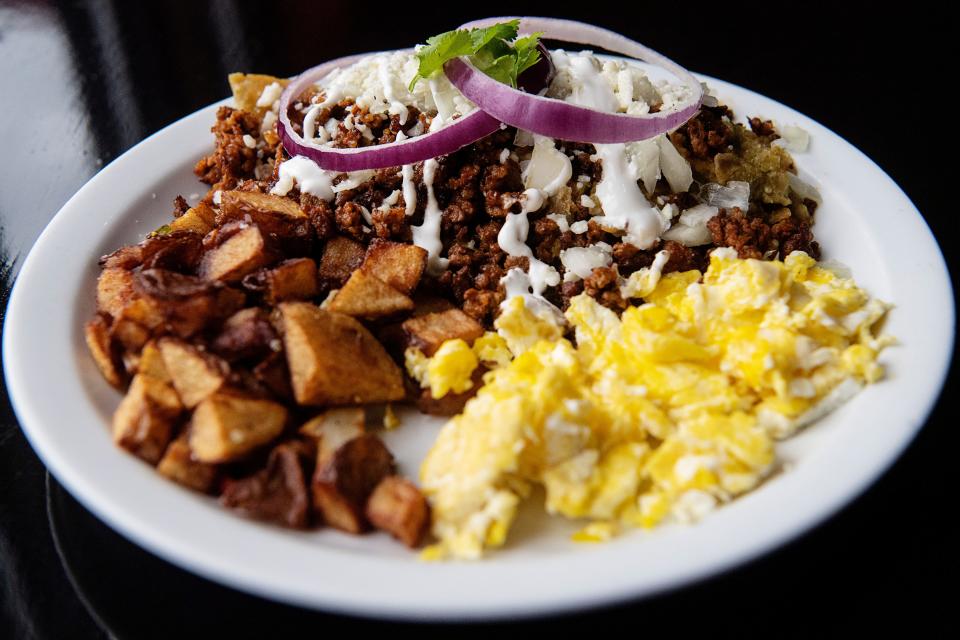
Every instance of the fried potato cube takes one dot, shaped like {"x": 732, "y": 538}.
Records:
{"x": 128, "y": 257}
{"x": 295, "y": 279}
{"x": 114, "y": 291}
{"x": 178, "y": 465}
{"x": 333, "y": 428}
{"x": 430, "y": 331}
{"x": 342, "y": 484}
{"x": 227, "y": 427}
{"x": 242, "y": 253}
{"x": 198, "y": 219}
{"x": 248, "y": 87}
{"x": 131, "y": 335}
{"x": 399, "y": 265}
{"x": 341, "y": 257}
{"x": 246, "y": 335}
{"x": 195, "y": 374}
{"x": 397, "y": 507}
{"x": 236, "y": 205}
{"x": 333, "y": 359}
{"x": 183, "y": 304}
{"x": 369, "y": 297}
{"x": 101, "y": 349}
{"x": 151, "y": 363}
{"x": 277, "y": 493}
{"x": 143, "y": 423}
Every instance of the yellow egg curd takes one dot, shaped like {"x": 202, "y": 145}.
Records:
{"x": 660, "y": 414}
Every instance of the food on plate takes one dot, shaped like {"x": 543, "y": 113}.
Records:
{"x": 607, "y": 281}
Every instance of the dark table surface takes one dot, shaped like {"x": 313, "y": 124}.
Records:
{"x": 80, "y": 83}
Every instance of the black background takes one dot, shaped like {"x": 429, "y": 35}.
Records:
{"x": 80, "y": 83}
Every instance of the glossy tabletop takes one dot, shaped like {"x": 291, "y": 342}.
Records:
{"x": 84, "y": 81}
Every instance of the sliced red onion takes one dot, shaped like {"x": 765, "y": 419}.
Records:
{"x": 458, "y": 133}
{"x": 559, "y": 119}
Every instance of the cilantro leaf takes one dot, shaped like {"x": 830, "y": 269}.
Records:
{"x": 494, "y": 50}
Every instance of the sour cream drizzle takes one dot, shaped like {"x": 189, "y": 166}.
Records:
{"x": 308, "y": 176}
{"x": 513, "y": 240}
{"x": 624, "y": 205}
{"x": 427, "y": 235}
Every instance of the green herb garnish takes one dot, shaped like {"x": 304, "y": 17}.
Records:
{"x": 495, "y": 50}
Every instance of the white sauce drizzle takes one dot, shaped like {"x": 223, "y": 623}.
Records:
{"x": 427, "y": 235}
{"x": 386, "y": 79}
{"x": 307, "y": 175}
{"x": 513, "y": 240}
{"x": 624, "y": 206}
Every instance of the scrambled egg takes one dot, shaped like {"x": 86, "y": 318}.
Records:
{"x": 660, "y": 414}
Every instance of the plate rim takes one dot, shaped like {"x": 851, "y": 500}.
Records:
{"x": 106, "y": 510}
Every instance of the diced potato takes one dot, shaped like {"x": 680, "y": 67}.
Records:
{"x": 130, "y": 334}
{"x": 128, "y": 257}
{"x": 333, "y": 359}
{"x": 178, "y": 465}
{"x": 295, "y": 279}
{"x": 236, "y": 205}
{"x": 227, "y": 427}
{"x": 101, "y": 349}
{"x": 199, "y": 219}
{"x": 342, "y": 484}
{"x": 114, "y": 291}
{"x": 248, "y": 87}
{"x": 368, "y": 297}
{"x": 398, "y": 507}
{"x": 195, "y": 374}
{"x": 151, "y": 363}
{"x": 399, "y": 265}
{"x": 242, "y": 253}
{"x": 428, "y": 332}
{"x": 144, "y": 312}
{"x": 333, "y": 428}
{"x": 277, "y": 493}
{"x": 341, "y": 257}
{"x": 143, "y": 423}
{"x": 273, "y": 375}
{"x": 246, "y": 335}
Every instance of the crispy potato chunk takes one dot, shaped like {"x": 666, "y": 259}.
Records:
{"x": 295, "y": 279}
{"x": 369, "y": 297}
{"x": 178, "y": 465}
{"x": 333, "y": 359}
{"x": 143, "y": 423}
{"x": 397, "y": 507}
{"x": 343, "y": 483}
{"x": 114, "y": 291}
{"x": 399, "y": 265}
{"x": 101, "y": 349}
{"x": 195, "y": 374}
{"x": 198, "y": 219}
{"x": 333, "y": 428}
{"x": 227, "y": 427}
{"x": 246, "y": 335}
{"x": 235, "y": 205}
{"x": 242, "y": 253}
{"x": 248, "y": 87}
{"x": 428, "y": 332}
{"x": 183, "y": 304}
{"x": 341, "y": 257}
{"x": 277, "y": 493}
{"x": 151, "y": 362}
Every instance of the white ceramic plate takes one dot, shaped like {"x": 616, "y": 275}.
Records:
{"x": 64, "y": 407}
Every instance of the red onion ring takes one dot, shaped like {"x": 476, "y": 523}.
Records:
{"x": 559, "y": 119}
{"x": 459, "y": 133}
